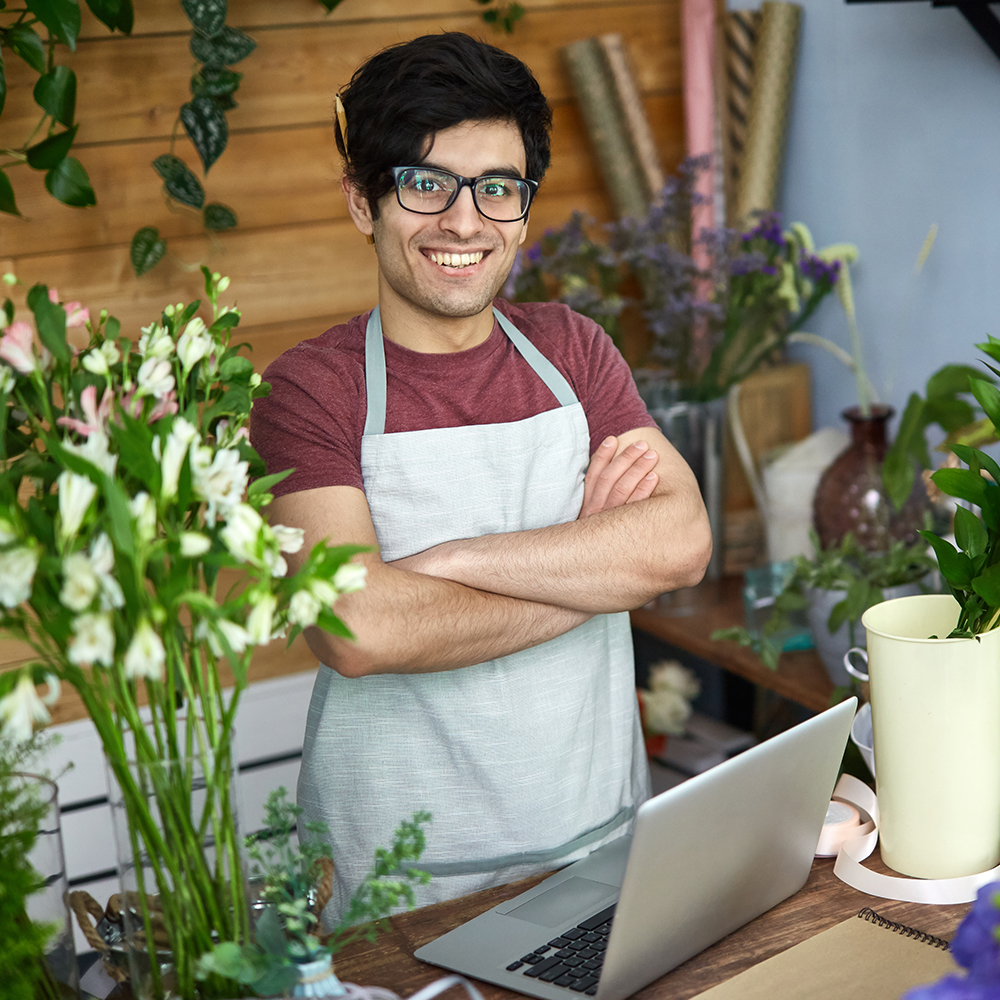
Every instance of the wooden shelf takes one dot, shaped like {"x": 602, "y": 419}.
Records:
{"x": 800, "y": 676}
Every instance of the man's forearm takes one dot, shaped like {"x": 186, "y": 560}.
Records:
{"x": 614, "y": 560}
{"x": 408, "y": 622}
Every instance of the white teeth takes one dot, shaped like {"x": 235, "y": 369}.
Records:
{"x": 456, "y": 259}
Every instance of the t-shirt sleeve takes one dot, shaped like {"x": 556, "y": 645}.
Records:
{"x": 310, "y": 422}
{"x": 599, "y": 374}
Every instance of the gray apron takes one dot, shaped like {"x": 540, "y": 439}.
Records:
{"x": 526, "y": 762}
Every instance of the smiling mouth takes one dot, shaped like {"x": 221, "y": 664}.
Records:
{"x": 456, "y": 260}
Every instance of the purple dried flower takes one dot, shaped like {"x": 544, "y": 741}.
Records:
{"x": 534, "y": 253}
{"x": 769, "y": 269}
{"x": 769, "y": 229}
{"x": 817, "y": 269}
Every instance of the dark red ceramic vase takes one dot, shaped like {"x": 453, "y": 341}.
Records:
{"x": 851, "y": 496}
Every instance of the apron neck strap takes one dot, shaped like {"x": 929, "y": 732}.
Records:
{"x": 375, "y": 382}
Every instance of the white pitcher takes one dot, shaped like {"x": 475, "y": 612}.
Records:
{"x": 936, "y": 723}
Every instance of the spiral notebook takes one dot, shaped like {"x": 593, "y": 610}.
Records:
{"x": 864, "y": 956}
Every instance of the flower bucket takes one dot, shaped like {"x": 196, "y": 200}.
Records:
{"x": 935, "y": 705}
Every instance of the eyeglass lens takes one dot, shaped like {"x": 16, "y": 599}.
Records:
{"x": 429, "y": 192}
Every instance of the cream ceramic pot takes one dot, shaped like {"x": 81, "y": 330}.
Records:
{"x": 936, "y": 724}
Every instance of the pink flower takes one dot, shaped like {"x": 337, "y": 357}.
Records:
{"x": 96, "y": 417}
{"x": 76, "y": 315}
{"x": 16, "y": 347}
{"x": 165, "y": 405}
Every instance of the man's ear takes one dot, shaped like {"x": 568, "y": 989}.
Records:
{"x": 357, "y": 205}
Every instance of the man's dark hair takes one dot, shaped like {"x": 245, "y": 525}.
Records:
{"x": 406, "y": 94}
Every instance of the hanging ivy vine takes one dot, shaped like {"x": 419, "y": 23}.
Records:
{"x": 33, "y": 33}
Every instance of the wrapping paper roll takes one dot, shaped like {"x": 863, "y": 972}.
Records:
{"x": 606, "y": 123}
{"x": 739, "y": 43}
{"x": 770, "y": 102}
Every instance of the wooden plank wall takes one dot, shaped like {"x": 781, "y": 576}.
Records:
{"x": 296, "y": 262}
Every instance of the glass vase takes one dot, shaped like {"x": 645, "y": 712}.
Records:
{"x": 49, "y": 905}
{"x": 851, "y": 495}
{"x": 180, "y": 864}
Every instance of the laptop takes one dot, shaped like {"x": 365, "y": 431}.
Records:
{"x": 705, "y": 857}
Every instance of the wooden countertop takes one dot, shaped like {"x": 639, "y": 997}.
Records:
{"x": 821, "y": 903}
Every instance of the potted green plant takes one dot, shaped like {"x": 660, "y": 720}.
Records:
{"x": 835, "y": 587}
{"x": 135, "y": 563}
{"x": 288, "y": 952}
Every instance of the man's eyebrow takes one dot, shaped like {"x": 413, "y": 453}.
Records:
{"x": 506, "y": 170}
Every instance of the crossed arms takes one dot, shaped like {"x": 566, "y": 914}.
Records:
{"x": 642, "y": 530}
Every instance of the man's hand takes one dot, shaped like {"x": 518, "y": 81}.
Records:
{"x": 615, "y": 479}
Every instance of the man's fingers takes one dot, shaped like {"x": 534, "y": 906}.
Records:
{"x": 612, "y": 481}
{"x": 645, "y": 488}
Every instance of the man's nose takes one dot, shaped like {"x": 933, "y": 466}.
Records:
{"x": 463, "y": 218}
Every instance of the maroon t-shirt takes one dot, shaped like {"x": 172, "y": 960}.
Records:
{"x": 314, "y": 418}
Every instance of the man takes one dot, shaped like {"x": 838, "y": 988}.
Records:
{"x": 491, "y": 677}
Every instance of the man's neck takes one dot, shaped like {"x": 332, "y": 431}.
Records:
{"x": 430, "y": 333}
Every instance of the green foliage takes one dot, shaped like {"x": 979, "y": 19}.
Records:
{"x": 945, "y": 404}
{"x": 33, "y": 33}
{"x": 502, "y": 16}
{"x": 25, "y": 975}
{"x": 286, "y": 933}
{"x": 147, "y": 249}
{"x": 862, "y": 575}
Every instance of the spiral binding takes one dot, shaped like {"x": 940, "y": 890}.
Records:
{"x": 911, "y": 932}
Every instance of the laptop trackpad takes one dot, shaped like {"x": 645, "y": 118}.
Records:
{"x": 566, "y": 901}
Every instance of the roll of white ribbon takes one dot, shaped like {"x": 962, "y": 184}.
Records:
{"x": 854, "y": 850}
{"x": 841, "y": 824}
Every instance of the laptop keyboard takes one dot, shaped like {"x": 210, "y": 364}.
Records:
{"x": 574, "y": 958}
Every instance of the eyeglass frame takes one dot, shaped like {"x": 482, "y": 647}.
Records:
{"x": 470, "y": 183}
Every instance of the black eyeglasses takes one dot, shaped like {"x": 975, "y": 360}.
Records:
{"x": 431, "y": 191}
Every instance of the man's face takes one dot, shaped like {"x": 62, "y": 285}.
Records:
{"x": 418, "y": 255}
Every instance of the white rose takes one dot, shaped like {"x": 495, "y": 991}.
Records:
{"x": 303, "y": 609}
{"x": 289, "y": 539}
{"x": 76, "y": 493}
{"x": 194, "y": 544}
{"x": 194, "y": 344}
{"x": 145, "y": 656}
{"x": 93, "y": 640}
{"x": 665, "y": 711}
{"x": 80, "y": 584}
{"x": 350, "y": 577}
{"x": 154, "y": 378}
{"x": 259, "y": 621}
{"x": 669, "y": 675}
{"x": 241, "y": 535}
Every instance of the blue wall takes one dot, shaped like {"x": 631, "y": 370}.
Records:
{"x": 895, "y": 125}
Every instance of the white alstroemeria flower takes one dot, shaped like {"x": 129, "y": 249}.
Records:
{"x": 260, "y": 619}
{"x": 236, "y": 635}
{"x": 154, "y": 378}
{"x": 8, "y": 532}
{"x": 76, "y": 493}
{"x": 17, "y": 573}
{"x": 93, "y": 640}
{"x": 102, "y": 558}
{"x": 100, "y": 359}
{"x": 194, "y": 544}
{"x": 80, "y": 583}
{"x": 221, "y": 479}
{"x": 324, "y": 592}
{"x": 7, "y": 380}
{"x": 182, "y": 434}
{"x": 194, "y": 344}
{"x": 275, "y": 563}
{"x": 22, "y": 708}
{"x": 143, "y": 509}
{"x": 290, "y": 540}
{"x": 303, "y": 608}
{"x": 241, "y": 535}
{"x": 145, "y": 656}
{"x": 350, "y": 577}
{"x": 155, "y": 342}
{"x": 96, "y": 451}
{"x": 222, "y": 284}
